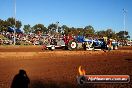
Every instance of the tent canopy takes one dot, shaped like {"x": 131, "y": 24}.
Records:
{"x": 10, "y": 29}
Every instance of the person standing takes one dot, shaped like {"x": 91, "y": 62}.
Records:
{"x": 109, "y": 43}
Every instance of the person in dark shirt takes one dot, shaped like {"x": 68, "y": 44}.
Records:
{"x": 20, "y": 80}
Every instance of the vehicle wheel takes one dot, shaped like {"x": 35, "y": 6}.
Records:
{"x": 72, "y": 45}
{"x": 52, "y": 48}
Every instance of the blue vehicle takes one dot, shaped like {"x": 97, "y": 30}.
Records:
{"x": 92, "y": 44}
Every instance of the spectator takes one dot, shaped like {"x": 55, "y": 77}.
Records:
{"x": 21, "y": 80}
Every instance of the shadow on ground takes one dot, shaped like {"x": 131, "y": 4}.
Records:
{"x": 53, "y": 84}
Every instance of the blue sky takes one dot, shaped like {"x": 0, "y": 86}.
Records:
{"x": 101, "y": 14}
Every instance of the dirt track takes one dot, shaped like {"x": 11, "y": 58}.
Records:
{"x": 58, "y": 69}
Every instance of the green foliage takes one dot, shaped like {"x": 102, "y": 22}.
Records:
{"x": 39, "y": 27}
{"x": 10, "y": 22}
{"x": 89, "y": 30}
{"x": 108, "y": 33}
{"x": 65, "y": 29}
{"x": 123, "y": 35}
{"x": 27, "y": 29}
{"x": 18, "y": 24}
{"x": 3, "y": 25}
{"x": 52, "y": 27}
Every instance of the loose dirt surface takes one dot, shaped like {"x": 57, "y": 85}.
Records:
{"x": 59, "y": 69}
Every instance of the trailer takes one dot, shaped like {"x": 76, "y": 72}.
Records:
{"x": 55, "y": 43}
{"x": 78, "y": 42}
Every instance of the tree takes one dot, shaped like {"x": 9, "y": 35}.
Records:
{"x": 27, "y": 29}
{"x": 101, "y": 33}
{"x": 52, "y": 27}
{"x": 3, "y": 26}
{"x": 89, "y": 30}
{"x": 11, "y": 23}
{"x": 110, "y": 33}
{"x": 66, "y": 29}
{"x": 123, "y": 35}
{"x": 39, "y": 27}
{"x": 72, "y": 31}
{"x": 80, "y": 31}
{"x": 18, "y": 24}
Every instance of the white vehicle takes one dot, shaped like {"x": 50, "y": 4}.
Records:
{"x": 55, "y": 43}
{"x": 129, "y": 43}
